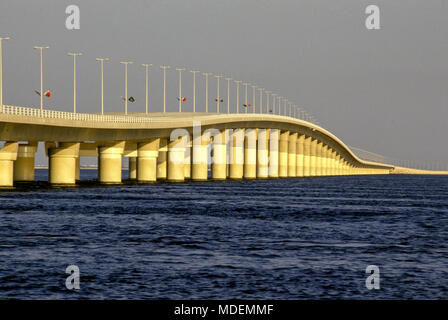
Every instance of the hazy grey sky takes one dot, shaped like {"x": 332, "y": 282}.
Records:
{"x": 381, "y": 90}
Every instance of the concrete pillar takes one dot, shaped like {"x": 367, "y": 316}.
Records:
{"x": 109, "y": 162}
{"x": 176, "y": 159}
{"x": 161, "y": 159}
{"x": 147, "y": 152}
{"x": 200, "y": 157}
{"x": 319, "y": 155}
{"x": 187, "y": 160}
{"x": 250, "y": 154}
{"x": 299, "y": 155}
{"x": 263, "y": 154}
{"x": 292, "y": 154}
{"x": 62, "y": 163}
{"x": 325, "y": 161}
{"x": 24, "y": 164}
{"x": 219, "y": 168}
{"x": 313, "y": 157}
{"x": 274, "y": 135}
{"x": 78, "y": 168}
{"x": 307, "y": 157}
{"x": 132, "y": 168}
{"x": 8, "y": 154}
{"x": 333, "y": 163}
{"x": 283, "y": 154}
{"x": 237, "y": 155}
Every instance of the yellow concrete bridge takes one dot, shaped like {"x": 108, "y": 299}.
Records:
{"x": 172, "y": 146}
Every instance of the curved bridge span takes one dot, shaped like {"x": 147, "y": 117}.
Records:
{"x": 172, "y": 146}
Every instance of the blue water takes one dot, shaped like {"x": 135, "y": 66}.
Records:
{"x": 268, "y": 239}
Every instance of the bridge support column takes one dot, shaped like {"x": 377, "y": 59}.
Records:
{"x": 324, "y": 160}
{"x": 319, "y": 158}
{"x": 8, "y": 154}
{"x": 237, "y": 155}
{"x": 200, "y": 157}
{"x": 109, "y": 162}
{"x": 334, "y": 171}
{"x": 219, "y": 167}
{"x": 161, "y": 159}
{"x": 132, "y": 168}
{"x": 292, "y": 154}
{"x": 250, "y": 154}
{"x": 187, "y": 160}
{"x": 176, "y": 159}
{"x": 313, "y": 157}
{"x": 24, "y": 165}
{"x": 146, "y": 168}
{"x": 78, "y": 168}
{"x": 62, "y": 163}
{"x": 274, "y": 135}
{"x": 307, "y": 157}
{"x": 299, "y": 155}
{"x": 262, "y": 154}
{"x": 283, "y": 155}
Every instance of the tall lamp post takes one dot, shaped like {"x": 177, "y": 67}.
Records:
{"x": 147, "y": 85}
{"x": 254, "y": 88}
{"x": 194, "y": 89}
{"x": 245, "y": 94}
{"x": 267, "y": 101}
{"x": 261, "y": 99}
{"x": 274, "y": 95}
{"x": 74, "y": 55}
{"x": 102, "y": 81}
{"x": 180, "y": 87}
{"x": 238, "y": 95}
{"x": 206, "y": 74}
{"x": 41, "y": 80}
{"x": 126, "y": 85}
{"x": 164, "y": 86}
{"x": 218, "y": 99}
{"x": 228, "y": 94}
{"x": 1, "y": 68}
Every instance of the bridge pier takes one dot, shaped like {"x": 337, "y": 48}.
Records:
{"x": 146, "y": 166}
{"x": 250, "y": 154}
{"x": 24, "y": 164}
{"x": 8, "y": 154}
{"x": 187, "y": 160}
{"x": 299, "y": 155}
{"x": 292, "y": 154}
{"x": 162, "y": 159}
{"x": 132, "y": 168}
{"x": 109, "y": 162}
{"x": 219, "y": 166}
{"x": 274, "y": 135}
{"x": 324, "y": 167}
{"x": 200, "y": 157}
{"x": 313, "y": 156}
{"x": 307, "y": 156}
{"x": 236, "y": 171}
{"x": 62, "y": 163}
{"x": 176, "y": 159}
{"x": 319, "y": 158}
{"x": 263, "y": 154}
{"x": 283, "y": 154}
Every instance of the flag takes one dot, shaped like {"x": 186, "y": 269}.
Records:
{"x": 131, "y": 99}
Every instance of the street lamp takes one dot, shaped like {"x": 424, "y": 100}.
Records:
{"x": 228, "y": 94}
{"x": 245, "y": 95}
{"x": 194, "y": 89}
{"x": 238, "y": 95}
{"x": 1, "y": 69}
{"x": 41, "y": 80}
{"x": 74, "y": 55}
{"x": 274, "y": 95}
{"x": 267, "y": 100}
{"x": 147, "y": 84}
{"x": 253, "y": 97}
{"x": 206, "y": 74}
{"x": 102, "y": 82}
{"x": 261, "y": 99}
{"x": 180, "y": 87}
{"x": 218, "y": 99}
{"x": 126, "y": 84}
{"x": 164, "y": 86}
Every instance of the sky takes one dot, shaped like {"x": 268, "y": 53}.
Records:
{"x": 384, "y": 90}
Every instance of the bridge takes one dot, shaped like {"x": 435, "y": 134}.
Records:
{"x": 258, "y": 143}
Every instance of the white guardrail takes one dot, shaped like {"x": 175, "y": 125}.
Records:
{"x": 53, "y": 114}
